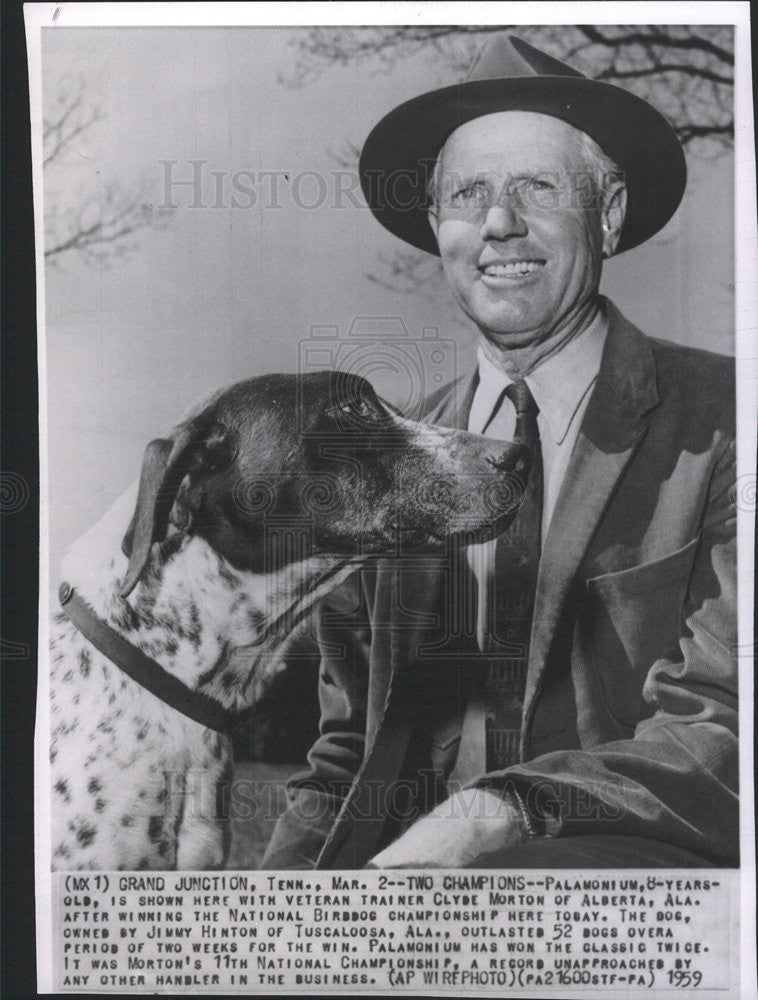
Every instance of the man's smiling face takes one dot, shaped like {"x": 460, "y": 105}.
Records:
{"x": 519, "y": 225}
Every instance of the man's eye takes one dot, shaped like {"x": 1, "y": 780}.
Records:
{"x": 522, "y": 186}
{"x": 472, "y": 193}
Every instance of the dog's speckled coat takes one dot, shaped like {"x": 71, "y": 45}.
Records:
{"x": 136, "y": 784}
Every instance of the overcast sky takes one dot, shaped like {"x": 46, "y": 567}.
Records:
{"x": 225, "y": 291}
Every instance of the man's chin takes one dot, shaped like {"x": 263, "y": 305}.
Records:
{"x": 506, "y": 336}
{"x": 507, "y": 325}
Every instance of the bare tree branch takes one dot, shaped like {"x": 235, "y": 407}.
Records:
{"x": 629, "y": 74}
{"x": 346, "y": 156}
{"x": 96, "y": 227}
{"x": 97, "y": 217}
{"x": 701, "y": 131}
{"x": 658, "y": 37}
{"x": 410, "y": 272}
{"x": 643, "y": 56}
{"x": 62, "y": 139}
{"x": 56, "y": 127}
{"x": 73, "y": 117}
{"x": 694, "y": 93}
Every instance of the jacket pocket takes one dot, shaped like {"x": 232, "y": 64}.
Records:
{"x": 637, "y": 616}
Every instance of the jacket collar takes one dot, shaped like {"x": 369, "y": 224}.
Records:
{"x": 627, "y": 381}
{"x": 611, "y": 432}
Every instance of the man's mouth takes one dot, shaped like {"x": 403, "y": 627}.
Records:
{"x": 511, "y": 268}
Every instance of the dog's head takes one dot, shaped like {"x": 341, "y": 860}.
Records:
{"x": 283, "y": 467}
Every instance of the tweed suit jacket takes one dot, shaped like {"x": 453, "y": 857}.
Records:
{"x": 630, "y": 713}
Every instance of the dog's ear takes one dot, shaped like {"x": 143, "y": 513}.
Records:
{"x": 167, "y": 469}
{"x": 216, "y": 450}
{"x": 155, "y": 497}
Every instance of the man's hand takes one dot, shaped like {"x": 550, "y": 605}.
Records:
{"x": 469, "y": 823}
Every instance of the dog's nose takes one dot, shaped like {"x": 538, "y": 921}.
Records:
{"x": 515, "y": 457}
{"x": 524, "y": 462}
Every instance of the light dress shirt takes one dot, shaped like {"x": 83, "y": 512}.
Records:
{"x": 561, "y": 386}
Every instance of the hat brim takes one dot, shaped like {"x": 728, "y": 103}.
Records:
{"x": 399, "y": 155}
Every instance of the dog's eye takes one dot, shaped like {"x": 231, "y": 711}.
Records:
{"x": 353, "y": 408}
{"x": 363, "y": 408}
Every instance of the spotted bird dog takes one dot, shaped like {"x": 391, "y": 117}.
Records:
{"x": 263, "y": 499}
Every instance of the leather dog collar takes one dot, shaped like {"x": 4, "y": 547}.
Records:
{"x": 141, "y": 668}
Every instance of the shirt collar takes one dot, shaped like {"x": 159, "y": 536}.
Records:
{"x": 558, "y": 385}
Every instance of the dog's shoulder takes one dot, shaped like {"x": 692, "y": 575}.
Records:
{"x": 96, "y": 555}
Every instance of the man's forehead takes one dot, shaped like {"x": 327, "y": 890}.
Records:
{"x": 514, "y": 137}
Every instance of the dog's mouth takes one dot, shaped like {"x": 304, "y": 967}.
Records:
{"x": 428, "y": 539}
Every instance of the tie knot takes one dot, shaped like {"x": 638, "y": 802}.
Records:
{"x": 521, "y": 397}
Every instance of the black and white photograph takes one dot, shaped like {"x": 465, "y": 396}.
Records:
{"x": 397, "y": 470}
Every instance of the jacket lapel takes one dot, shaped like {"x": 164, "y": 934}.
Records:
{"x": 612, "y": 429}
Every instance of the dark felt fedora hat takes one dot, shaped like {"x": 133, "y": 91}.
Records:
{"x": 509, "y": 75}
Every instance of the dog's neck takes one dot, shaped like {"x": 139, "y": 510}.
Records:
{"x": 218, "y": 629}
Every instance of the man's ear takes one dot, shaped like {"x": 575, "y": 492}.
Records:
{"x": 434, "y": 221}
{"x": 612, "y": 218}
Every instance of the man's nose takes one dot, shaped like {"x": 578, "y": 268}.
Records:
{"x": 501, "y": 221}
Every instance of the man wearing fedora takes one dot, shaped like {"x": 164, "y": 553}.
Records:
{"x": 580, "y": 709}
